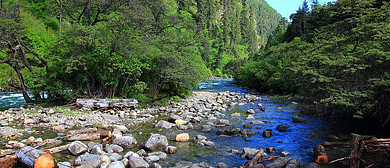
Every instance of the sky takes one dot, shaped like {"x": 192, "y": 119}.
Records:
{"x": 288, "y": 7}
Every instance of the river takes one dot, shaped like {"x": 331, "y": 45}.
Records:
{"x": 298, "y": 141}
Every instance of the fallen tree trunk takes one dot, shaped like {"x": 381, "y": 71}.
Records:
{"x": 57, "y": 149}
{"x": 107, "y": 103}
{"x": 34, "y": 158}
{"x": 87, "y": 135}
{"x": 255, "y": 160}
{"x": 347, "y": 144}
{"x": 355, "y": 152}
{"x": 320, "y": 155}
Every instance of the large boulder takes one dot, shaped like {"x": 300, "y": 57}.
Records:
{"x": 164, "y": 125}
{"x": 156, "y": 142}
{"x": 77, "y": 147}
{"x": 126, "y": 142}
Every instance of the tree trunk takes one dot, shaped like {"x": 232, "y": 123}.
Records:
{"x": 34, "y": 158}
{"x": 60, "y": 26}
{"x": 320, "y": 155}
{"x": 355, "y": 152}
{"x": 24, "y": 88}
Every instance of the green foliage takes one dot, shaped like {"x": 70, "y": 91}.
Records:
{"x": 340, "y": 67}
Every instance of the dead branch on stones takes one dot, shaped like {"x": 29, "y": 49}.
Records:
{"x": 87, "y": 135}
{"x": 106, "y": 104}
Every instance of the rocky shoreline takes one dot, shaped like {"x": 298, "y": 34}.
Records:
{"x": 131, "y": 144}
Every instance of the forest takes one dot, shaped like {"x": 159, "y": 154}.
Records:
{"x": 149, "y": 50}
{"x": 333, "y": 57}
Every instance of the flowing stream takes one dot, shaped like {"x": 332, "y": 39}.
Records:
{"x": 298, "y": 141}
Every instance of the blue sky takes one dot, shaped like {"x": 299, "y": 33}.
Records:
{"x": 287, "y": 7}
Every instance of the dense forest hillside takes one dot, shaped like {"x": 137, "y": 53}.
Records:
{"x": 334, "y": 57}
{"x": 145, "y": 49}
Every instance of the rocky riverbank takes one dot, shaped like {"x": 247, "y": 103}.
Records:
{"x": 140, "y": 138}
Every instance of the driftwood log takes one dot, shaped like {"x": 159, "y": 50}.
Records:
{"x": 89, "y": 134}
{"x": 34, "y": 158}
{"x": 255, "y": 161}
{"x": 358, "y": 147}
{"x": 320, "y": 155}
{"x": 107, "y": 103}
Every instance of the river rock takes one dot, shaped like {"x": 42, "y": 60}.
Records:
{"x": 228, "y": 130}
{"x": 160, "y": 155}
{"x": 44, "y": 119}
{"x": 184, "y": 137}
{"x": 224, "y": 122}
{"x": 271, "y": 150}
{"x": 151, "y": 159}
{"x": 249, "y": 153}
{"x": 164, "y": 125}
{"x": 292, "y": 163}
{"x": 235, "y": 115}
{"x": 88, "y": 159}
{"x": 250, "y": 111}
{"x": 250, "y": 117}
{"x": 117, "y": 164}
{"x": 207, "y": 128}
{"x": 170, "y": 149}
{"x": 247, "y": 132}
{"x": 116, "y": 134}
{"x": 64, "y": 165}
{"x": 77, "y": 147}
{"x": 138, "y": 162}
{"x": 312, "y": 165}
{"x": 282, "y": 128}
{"x": 258, "y": 123}
{"x": 200, "y": 165}
{"x": 115, "y": 157}
{"x": 182, "y": 127}
{"x": 180, "y": 122}
{"x": 267, "y": 133}
{"x": 127, "y": 142}
{"x": 141, "y": 152}
{"x": 221, "y": 165}
{"x": 156, "y": 142}
{"x": 97, "y": 149}
{"x": 173, "y": 117}
{"x": 121, "y": 128}
{"x": 130, "y": 154}
{"x": 296, "y": 119}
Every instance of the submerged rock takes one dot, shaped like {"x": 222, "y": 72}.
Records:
{"x": 282, "y": 128}
{"x": 296, "y": 119}
{"x": 228, "y": 130}
{"x": 267, "y": 133}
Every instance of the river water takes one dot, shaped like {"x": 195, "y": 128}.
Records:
{"x": 298, "y": 141}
